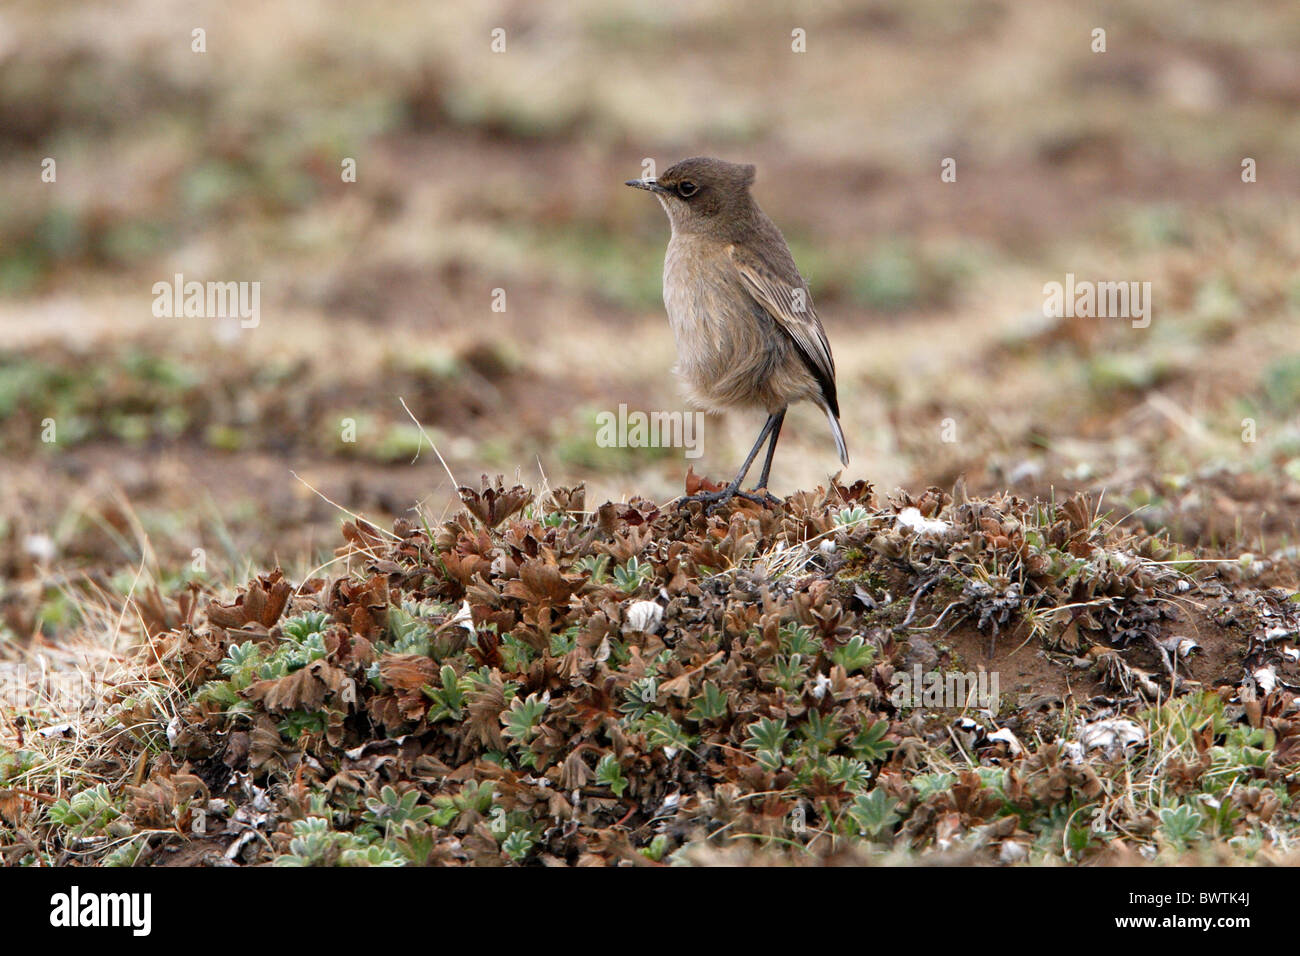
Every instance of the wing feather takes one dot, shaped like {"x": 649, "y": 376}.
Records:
{"x": 786, "y": 299}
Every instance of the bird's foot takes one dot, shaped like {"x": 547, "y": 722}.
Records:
{"x": 713, "y": 500}
{"x": 766, "y": 496}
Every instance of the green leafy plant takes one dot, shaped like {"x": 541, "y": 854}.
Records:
{"x": 797, "y": 641}
{"x": 316, "y": 843}
{"x": 564, "y": 642}
{"x": 299, "y": 722}
{"x": 449, "y": 699}
{"x": 128, "y": 854}
{"x": 656, "y": 849}
{"x": 522, "y": 718}
{"x": 393, "y": 810}
{"x": 610, "y": 774}
{"x": 662, "y": 731}
{"x": 872, "y": 813}
{"x": 15, "y": 763}
{"x": 595, "y": 566}
{"x": 928, "y": 784}
{"x": 301, "y": 628}
{"x": 789, "y": 672}
{"x": 632, "y": 575}
{"x": 88, "y": 813}
{"x": 311, "y": 845}
{"x": 371, "y": 856}
{"x": 415, "y": 842}
{"x": 767, "y": 739}
{"x": 474, "y": 798}
{"x": 853, "y": 775}
{"x": 855, "y": 655}
{"x": 710, "y": 705}
{"x": 851, "y": 516}
{"x": 819, "y": 731}
{"x": 303, "y": 643}
{"x": 408, "y": 632}
{"x": 516, "y": 654}
{"x": 1180, "y": 825}
{"x": 870, "y": 744}
{"x": 518, "y": 845}
{"x": 640, "y": 697}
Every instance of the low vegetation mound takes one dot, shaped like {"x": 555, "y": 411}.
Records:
{"x": 988, "y": 680}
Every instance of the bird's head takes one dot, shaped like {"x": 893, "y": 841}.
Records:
{"x": 702, "y": 194}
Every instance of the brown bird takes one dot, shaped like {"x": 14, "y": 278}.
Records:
{"x": 747, "y": 334}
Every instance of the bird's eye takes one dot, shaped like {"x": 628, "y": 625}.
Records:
{"x": 686, "y": 189}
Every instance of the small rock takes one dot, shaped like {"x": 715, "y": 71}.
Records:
{"x": 1112, "y": 736}
{"x": 912, "y": 518}
{"x": 643, "y": 616}
{"x": 1012, "y": 852}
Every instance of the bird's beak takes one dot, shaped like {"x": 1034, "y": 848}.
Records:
{"x": 648, "y": 184}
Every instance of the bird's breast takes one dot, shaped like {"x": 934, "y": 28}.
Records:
{"x": 695, "y": 296}
{"x": 726, "y": 348}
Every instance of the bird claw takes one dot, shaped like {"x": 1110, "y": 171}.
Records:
{"x": 713, "y": 500}
{"x": 767, "y": 497}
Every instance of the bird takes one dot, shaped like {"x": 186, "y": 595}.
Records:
{"x": 742, "y": 316}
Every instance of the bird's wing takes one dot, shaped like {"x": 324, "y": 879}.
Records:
{"x": 787, "y": 300}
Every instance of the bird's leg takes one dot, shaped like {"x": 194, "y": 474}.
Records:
{"x": 771, "y": 451}
{"x": 732, "y": 490}
{"x": 773, "y": 422}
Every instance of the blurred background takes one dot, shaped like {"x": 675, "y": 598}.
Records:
{"x": 479, "y": 170}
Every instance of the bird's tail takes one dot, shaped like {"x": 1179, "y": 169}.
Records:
{"x": 839, "y": 437}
